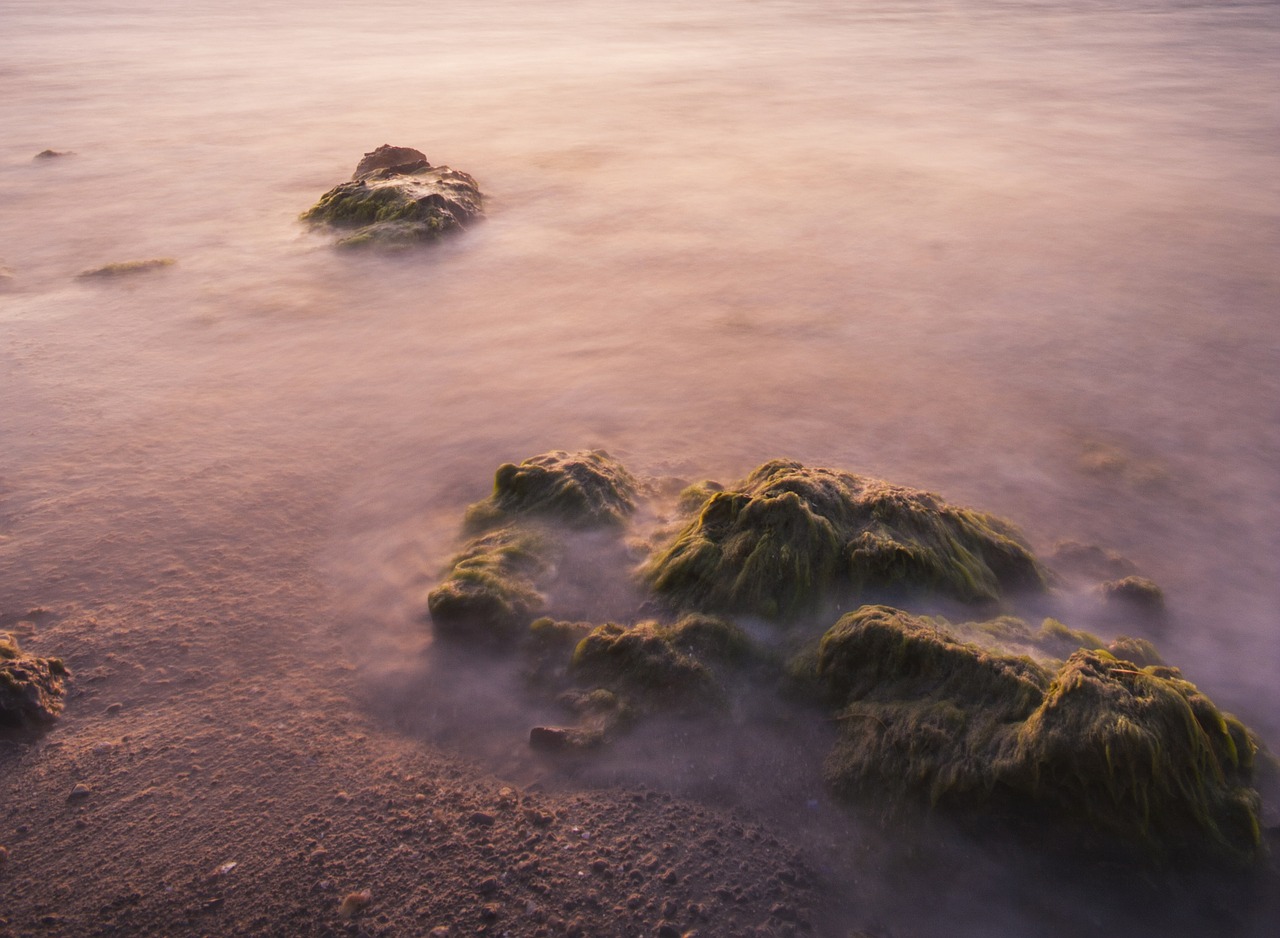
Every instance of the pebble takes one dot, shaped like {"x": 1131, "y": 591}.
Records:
{"x": 114, "y": 708}
{"x": 4, "y": 856}
{"x": 482, "y": 819}
{"x": 79, "y": 792}
{"x": 355, "y": 902}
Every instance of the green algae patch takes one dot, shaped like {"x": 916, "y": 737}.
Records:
{"x": 31, "y": 688}
{"x": 491, "y": 590}
{"x": 582, "y": 490}
{"x": 396, "y": 198}
{"x": 126, "y": 268}
{"x": 789, "y": 538}
{"x": 1135, "y": 754}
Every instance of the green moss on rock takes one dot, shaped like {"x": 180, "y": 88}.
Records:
{"x": 582, "y": 489}
{"x": 641, "y": 661}
{"x": 30, "y": 688}
{"x": 788, "y": 538}
{"x": 395, "y": 198}
{"x": 662, "y": 667}
{"x": 491, "y": 591}
{"x": 1136, "y": 753}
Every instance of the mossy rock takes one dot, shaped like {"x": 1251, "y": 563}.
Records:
{"x": 491, "y": 591}
{"x": 397, "y": 198}
{"x": 789, "y": 538}
{"x": 1140, "y": 752}
{"x": 30, "y": 688}
{"x": 662, "y": 667}
{"x": 1134, "y": 595}
{"x": 1137, "y": 755}
{"x": 582, "y": 489}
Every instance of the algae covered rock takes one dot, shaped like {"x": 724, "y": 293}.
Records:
{"x": 395, "y": 198}
{"x": 1140, "y": 752}
{"x": 30, "y": 687}
{"x": 491, "y": 591}
{"x": 1133, "y": 753}
{"x": 662, "y": 667}
{"x": 582, "y": 489}
{"x": 789, "y": 538}
{"x": 494, "y": 585}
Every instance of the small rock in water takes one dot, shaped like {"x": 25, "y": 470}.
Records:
{"x": 396, "y": 198}
{"x": 126, "y": 268}
{"x": 354, "y": 903}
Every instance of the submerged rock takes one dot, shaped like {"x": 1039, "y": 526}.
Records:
{"x": 30, "y": 687}
{"x": 126, "y": 268}
{"x": 1136, "y": 753}
{"x": 395, "y": 197}
{"x": 789, "y": 538}
{"x": 583, "y": 489}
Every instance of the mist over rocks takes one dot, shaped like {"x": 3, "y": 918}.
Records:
{"x": 396, "y": 198}
{"x": 31, "y": 688}
{"x": 1047, "y": 727}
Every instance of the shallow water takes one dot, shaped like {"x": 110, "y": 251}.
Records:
{"x": 1020, "y": 254}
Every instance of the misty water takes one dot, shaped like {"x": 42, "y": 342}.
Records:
{"x": 1020, "y": 254}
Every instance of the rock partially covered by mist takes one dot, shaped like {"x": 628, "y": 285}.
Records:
{"x": 30, "y": 687}
{"x": 396, "y": 198}
{"x": 491, "y": 591}
{"x": 662, "y": 667}
{"x": 1134, "y": 753}
{"x": 583, "y": 489}
{"x": 1134, "y": 596}
{"x": 494, "y": 585}
{"x": 623, "y": 673}
{"x": 789, "y": 538}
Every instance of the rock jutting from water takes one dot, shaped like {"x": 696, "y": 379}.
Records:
{"x": 396, "y": 198}
{"x": 789, "y": 538}
{"x": 30, "y": 687}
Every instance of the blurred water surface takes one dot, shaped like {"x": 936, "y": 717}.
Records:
{"x": 1023, "y": 254}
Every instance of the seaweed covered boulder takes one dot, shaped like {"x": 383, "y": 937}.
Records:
{"x": 30, "y": 687}
{"x": 663, "y": 667}
{"x": 789, "y": 538}
{"x": 582, "y": 489}
{"x": 491, "y": 591}
{"x": 625, "y": 672}
{"x": 395, "y": 198}
{"x": 494, "y": 587}
{"x": 1137, "y": 755}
